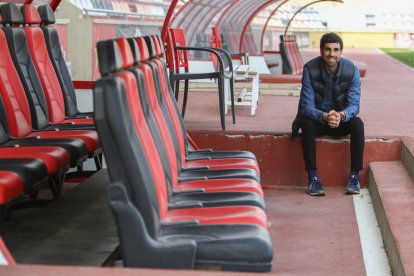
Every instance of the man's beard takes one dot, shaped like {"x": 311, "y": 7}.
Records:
{"x": 331, "y": 64}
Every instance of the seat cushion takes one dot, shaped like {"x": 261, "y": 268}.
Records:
{"x": 54, "y": 158}
{"x": 219, "y": 215}
{"x": 222, "y": 185}
{"x": 215, "y": 199}
{"x": 219, "y": 174}
{"x": 11, "y": 186}
{"x": 219, "y": 164}
{"x": 226, "y": 247}
{"x": 89, "y": 137}
{"x": 32, "y": 171}
{"x": 89, "y": 121}
{"x": 203, "y": 154}
{"x": 75, "y": 147}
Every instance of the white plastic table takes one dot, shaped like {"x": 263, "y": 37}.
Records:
{"x": 247, "y": 96}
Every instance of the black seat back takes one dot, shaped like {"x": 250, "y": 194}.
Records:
{"x": 127, "y": 162}
{"x": 59, "y": 64}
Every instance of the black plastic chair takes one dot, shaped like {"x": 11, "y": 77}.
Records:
{"x": 177, "y": 58}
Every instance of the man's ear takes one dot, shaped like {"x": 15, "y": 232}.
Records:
{"x": 321, "y": 51}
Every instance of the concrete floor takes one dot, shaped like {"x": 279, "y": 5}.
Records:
{"x": 310, "y": 235}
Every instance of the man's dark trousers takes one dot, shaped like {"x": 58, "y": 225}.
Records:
{"x": 311, "y": 129}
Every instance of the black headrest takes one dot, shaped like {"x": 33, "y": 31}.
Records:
{"x": 151, "y": 46}
{"x": 135, "y": 50}
{"x": 109, "y": 57}
{"x": 10, "y": 14}
{"x": 46, "y": 14}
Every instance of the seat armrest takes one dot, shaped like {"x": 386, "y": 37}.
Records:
{"x": 193, "y": 169}
{"x": 203, "y": 150}
{"x": 192, "y": 191}
{"x": 210, "y": 50}
{"x": 180, "y": 223}
{"x": 228, "y": 57}
{"x": 185, "y": 205}
{"x": 191, "y": 178}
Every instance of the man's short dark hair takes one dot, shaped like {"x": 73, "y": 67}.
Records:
{"x": 331, "y": 38}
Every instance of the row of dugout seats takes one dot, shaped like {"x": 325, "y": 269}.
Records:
{"x": 42, "y": 134}
{"x": 184, "y": 209}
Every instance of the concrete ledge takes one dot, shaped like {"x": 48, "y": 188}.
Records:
{"x": 280, "y": 157}
{"x": 392, "y": 193}
{"x": 407, "y": 155}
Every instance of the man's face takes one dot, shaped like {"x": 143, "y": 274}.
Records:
{"x": 331, "y": 53}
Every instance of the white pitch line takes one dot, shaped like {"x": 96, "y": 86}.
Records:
{"x": 375, "y": 257}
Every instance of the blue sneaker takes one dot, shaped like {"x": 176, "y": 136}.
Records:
{"x": 353, "y": 186}
{"x": 315, "y": 187}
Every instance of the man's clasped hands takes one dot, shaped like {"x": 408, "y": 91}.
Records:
{"x": 333, "y": 118}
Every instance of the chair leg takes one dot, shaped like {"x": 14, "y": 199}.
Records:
{"x": 220, "y": 83}
{"x": 185, "y": 98}
{"x": 98, "y": 161}
{"x": 171, "y": 78}
{"x": 233, "y": 112}
{"x": 177, "y": 89}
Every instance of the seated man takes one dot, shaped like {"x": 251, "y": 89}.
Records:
{"x": 329, "y": 105}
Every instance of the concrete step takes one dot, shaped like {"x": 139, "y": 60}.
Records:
{"x": 407, "y": 155}
{"x": 288, "y": 89}
{"x": 392, "y": 193}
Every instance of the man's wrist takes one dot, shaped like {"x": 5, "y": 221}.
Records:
{"x": 343, "y": 116}
{"x": 324, "y": 117}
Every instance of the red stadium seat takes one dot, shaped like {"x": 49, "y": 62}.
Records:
{"x": 45, "y": 69}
